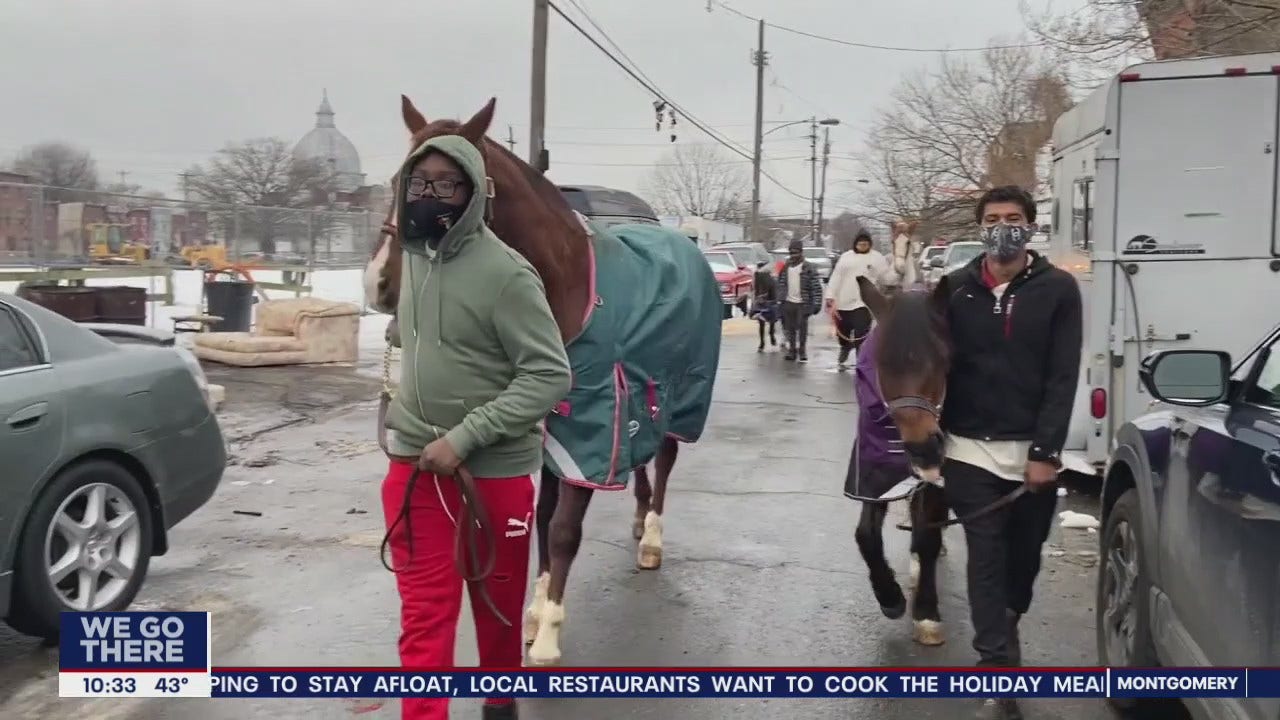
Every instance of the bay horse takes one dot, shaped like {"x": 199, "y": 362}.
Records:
{"x": 528, "y": 213}
{"x": 911, "y": 357}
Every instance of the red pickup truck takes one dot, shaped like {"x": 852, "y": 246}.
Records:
{"x": 736, "y": 280}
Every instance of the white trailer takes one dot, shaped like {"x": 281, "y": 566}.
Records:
{"x": 1165, "y": 197}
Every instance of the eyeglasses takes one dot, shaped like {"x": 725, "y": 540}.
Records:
{"x": 443, "y": 189}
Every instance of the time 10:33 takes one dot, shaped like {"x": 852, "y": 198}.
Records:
{"x": 99, "y": 685}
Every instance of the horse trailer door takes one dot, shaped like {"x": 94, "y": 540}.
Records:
{"x": 1194, "y": 221}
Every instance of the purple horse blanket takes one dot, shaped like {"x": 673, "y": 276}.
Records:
{"x": 878, "y": 461}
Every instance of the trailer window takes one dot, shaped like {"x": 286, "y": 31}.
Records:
{"x": 1082, "y": 214}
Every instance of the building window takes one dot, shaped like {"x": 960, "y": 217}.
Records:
{"x": 1082, "y": 214}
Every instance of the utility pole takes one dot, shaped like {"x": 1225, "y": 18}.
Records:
{"x": 511, "y": 138}
{"x": 186, "y": 186}
{"x": 813, "y": 177}
{"x": 123, "y": 175}
{"x": 538, "y": 89}
{"x": 759, "y": 58}
{"x": 822, "y": 184}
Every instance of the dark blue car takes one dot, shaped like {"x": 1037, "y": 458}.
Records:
{"x": 1189, "y": 564}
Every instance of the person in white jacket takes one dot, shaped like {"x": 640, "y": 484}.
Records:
{"x": 849, "y": 314}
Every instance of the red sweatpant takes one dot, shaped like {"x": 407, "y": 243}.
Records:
{"x": 431, "y": 588}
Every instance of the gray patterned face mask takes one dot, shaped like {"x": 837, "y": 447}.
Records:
{"x": 1004, "y": 242}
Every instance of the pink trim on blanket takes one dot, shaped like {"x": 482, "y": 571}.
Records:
{"x": 591, "y": 281}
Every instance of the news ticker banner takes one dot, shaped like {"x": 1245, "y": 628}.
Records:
{"x": 143, "y": 654}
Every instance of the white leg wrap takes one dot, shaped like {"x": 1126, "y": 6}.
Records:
{"x": 546, "y": 645}
{"x": 650, "y": 553}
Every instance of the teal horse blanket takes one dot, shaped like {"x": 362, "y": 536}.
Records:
{"x": 645, "y": 362}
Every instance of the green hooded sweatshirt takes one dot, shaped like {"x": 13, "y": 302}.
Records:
{"x": 482, "y": 363}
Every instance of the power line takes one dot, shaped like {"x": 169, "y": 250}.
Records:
{"x": 871, "y": 46}
{"x": 652, "y": 89}
{"x": 678, "y": 164}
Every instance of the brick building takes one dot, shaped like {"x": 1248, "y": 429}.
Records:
{"x": 18, "y": 211}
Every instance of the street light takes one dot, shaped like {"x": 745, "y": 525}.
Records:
{"x": 814, "y": 122}
{"x": 827, "y": 121}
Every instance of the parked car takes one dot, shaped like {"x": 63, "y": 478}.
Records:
{"x": 608, "y": 206}
{"x": 927, "y": 255}
{"x": 956, "y": 256}
{"x": 106, "y": 447}
{"x": 1187, "y": 570}
{"x": 736, "y": 279}
{"x": 752, "y": 253}
{"x": 820, "y": 259}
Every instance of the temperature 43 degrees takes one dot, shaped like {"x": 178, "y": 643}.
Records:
{"x": 172, "y": 685}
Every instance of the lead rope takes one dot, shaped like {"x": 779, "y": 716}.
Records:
{"x": 473, "y": 520}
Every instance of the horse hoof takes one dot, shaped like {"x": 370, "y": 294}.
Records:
{"x": 928, "y": 632}
{"x": 543, "y": 660}
{"x": 892, "y": 602}
{"x": 650, "y": 558}
{"x": 895, "y": 612}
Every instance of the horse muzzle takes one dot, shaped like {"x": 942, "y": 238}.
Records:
{"x": 926, "y": 455}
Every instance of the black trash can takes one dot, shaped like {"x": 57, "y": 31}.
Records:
{"x": 231, "y": 300}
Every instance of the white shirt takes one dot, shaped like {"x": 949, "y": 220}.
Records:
{"x": 1003, "y": 458}
{"x": 793, "y": 283}
{"x": 843, "y": 289}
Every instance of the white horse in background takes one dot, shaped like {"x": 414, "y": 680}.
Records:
{"x": 904, "y": 272}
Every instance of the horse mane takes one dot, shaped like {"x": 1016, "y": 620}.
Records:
{"x": 912, "y": 339}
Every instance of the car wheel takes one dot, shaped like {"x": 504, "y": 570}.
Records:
{"x": 86, "y": 546}
{"x": 1123, "y": 621}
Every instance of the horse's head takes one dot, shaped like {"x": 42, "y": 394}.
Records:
{"x": 382, "y": 275}
{"x": 912, "y": 358}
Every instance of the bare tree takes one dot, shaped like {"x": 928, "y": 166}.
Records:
{"x": 1098, "y": 39}
{"x": 701, "y": 181}
{"x": 955, "y": 129}
{"x": 268, "y": 184}
{"x": 63, "y": 166}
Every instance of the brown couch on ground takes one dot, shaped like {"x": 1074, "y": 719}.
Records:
{"x": 289, "y": 332}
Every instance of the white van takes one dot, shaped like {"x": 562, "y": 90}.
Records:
{"x": 1165, "y": 194}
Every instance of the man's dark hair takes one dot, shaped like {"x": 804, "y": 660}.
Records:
{"x": 1006, "y": 193}
{"x": 862, "y": 235}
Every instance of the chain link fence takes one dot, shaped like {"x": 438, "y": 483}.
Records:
{"x": 48, "y": 226}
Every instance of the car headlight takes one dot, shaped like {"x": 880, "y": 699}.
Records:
{"x": 193, "y": 364}
{"x": 724, "y": 287}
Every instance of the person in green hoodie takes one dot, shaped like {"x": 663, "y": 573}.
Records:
{"x": 482, "y": 366}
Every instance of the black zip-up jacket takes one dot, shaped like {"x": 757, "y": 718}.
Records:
{"x": 1015, "y": 362}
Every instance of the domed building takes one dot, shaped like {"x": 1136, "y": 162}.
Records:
{"x": 326, "y": 143}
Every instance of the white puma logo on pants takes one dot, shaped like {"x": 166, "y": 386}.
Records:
{"x": 521, "y": 527}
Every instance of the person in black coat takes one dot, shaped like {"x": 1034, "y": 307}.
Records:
{"x": 800, "y": 290}
{"x": 764, "y": 305}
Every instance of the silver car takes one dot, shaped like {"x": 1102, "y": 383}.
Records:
{"x": 957, "y": 255}
{"x": 106, "y": 446}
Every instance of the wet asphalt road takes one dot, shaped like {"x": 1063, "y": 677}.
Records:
{"x": 760, "y": 565}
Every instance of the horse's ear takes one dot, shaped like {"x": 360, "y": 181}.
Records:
{"x": 475, "y": 128}
{"x": 871, "y": 295}
{"x": 413, "y": 120}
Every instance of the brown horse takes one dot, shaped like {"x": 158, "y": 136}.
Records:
{"x": 529, "y": 214}
{"x": 912, "y": 358}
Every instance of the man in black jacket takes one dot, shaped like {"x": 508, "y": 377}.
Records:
{"x": 800, "y": 290}
{"x": 1015, "y": 323}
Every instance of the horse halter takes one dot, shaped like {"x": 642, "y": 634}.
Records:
{"x": 917, "y": 402}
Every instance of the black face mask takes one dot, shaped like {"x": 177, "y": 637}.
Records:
{"x": 429, "y": 218}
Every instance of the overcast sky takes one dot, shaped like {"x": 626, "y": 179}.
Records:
{"x": 151, "y": 86}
